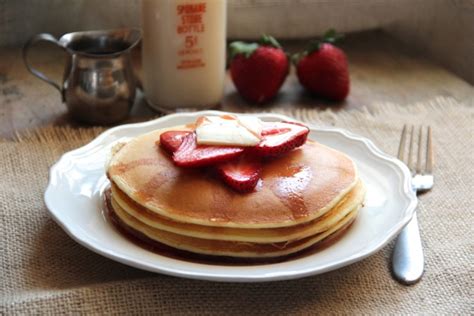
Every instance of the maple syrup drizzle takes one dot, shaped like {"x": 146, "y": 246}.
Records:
{"x": 154, "y": 246}
{"x": 147, "y": 191}
{"x": 289, "y": 188}
{"x": 122, "y": 168}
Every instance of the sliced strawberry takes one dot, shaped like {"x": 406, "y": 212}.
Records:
{"x": 170, "y": 141}
{"x": 241, "y": 174}
{"x": 190, "y": 154}
{"x": 280, "y": 138}
{"x": 272, "y": 130}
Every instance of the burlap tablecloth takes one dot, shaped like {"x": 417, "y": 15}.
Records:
{"x": 44, "y": 271}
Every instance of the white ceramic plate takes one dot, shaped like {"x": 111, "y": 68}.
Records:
{"x": 77, "y": 181}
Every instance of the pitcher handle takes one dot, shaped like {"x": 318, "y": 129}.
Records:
{"x": 37, "y": 38}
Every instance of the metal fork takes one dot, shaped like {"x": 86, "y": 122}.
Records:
{"x": 407, "y": 257}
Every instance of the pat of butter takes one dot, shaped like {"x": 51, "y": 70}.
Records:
{"x": 253, "y": 124}
{"x": 228, "y": 130}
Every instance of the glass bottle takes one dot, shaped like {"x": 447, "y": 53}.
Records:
{"x": 183, "y": 53}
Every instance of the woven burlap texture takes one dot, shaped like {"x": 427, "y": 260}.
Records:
{"x": 45, "y": 271}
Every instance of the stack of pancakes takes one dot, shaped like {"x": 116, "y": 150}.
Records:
{"x": 303, "y": 198}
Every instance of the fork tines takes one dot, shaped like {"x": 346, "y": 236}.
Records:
{"x": 408, "y": 158}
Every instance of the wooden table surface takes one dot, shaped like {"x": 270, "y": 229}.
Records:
{"x": 381, "y": 69}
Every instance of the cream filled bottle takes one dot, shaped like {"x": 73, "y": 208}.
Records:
{"x": 183, "y": 53}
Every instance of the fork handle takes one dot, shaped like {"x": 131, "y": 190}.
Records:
{"x": 407, "y": 259}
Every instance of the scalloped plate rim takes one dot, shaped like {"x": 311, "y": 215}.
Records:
{"x": 101, "y": 140}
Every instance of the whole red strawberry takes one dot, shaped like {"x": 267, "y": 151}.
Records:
{"x": 258, "y": 70}
{"x": 323, "y": 69}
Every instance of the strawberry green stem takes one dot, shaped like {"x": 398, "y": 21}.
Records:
{"x": 268, "y": 40}
{"x": 331, "y": 37}
{"x": 247, "y": 49}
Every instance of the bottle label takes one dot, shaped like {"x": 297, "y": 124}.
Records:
{"x": 190, "y": 27}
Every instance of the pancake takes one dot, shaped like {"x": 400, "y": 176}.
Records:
{"x": 230, "y": 248}
{"x": 303, "y": 198}
{"x": 263, "y": 235}
{"x": 296, "y": 188}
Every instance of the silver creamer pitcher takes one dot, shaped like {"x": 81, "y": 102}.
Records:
{"x": 99, "y": 83}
